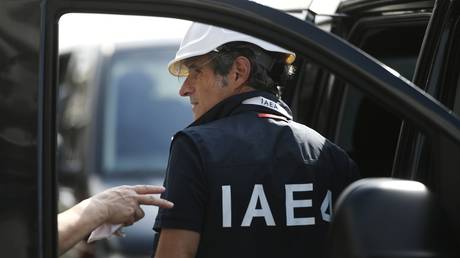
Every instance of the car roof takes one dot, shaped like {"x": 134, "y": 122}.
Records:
{"x": 354, "y": 6}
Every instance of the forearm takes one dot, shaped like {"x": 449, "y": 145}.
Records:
{"x": 77, "y": 222}
{"x": 177, "y": 243}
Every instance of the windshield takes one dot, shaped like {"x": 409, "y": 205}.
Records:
{"x": 142, "y": 111}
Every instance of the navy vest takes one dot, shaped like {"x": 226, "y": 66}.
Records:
{"x": 272, "y": 182}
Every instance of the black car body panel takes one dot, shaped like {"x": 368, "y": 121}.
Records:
{"x": 361, "y": 7}
{"x": 419, "y": 155}
{"x": 19, "y": 135}
{"x": 28, "y": 72}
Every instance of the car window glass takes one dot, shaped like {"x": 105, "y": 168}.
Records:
{"x": 118, "y": 109}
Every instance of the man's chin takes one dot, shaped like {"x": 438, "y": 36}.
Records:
{"x": 195, "y": 115}
{"x": 194, "y": 111}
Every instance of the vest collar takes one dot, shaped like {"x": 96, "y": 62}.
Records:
{"x": 259, "y": 101}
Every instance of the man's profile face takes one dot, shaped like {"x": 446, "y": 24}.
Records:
{"x": 204, "y": 88}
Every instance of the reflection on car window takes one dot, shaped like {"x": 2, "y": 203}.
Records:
{"x": 143, "y": 110}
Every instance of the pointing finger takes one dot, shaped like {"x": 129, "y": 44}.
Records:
{"x": 148, "y": 189}
{"x": 152, "y": 200}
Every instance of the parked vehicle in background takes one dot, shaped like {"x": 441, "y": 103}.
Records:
{"x": 118, "y": 110}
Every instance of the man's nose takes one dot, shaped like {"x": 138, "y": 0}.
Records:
{"x": 186, "y": 89}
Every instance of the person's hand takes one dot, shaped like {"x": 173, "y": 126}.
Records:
{"x": 121, "y": 205}
{"x": 118, "y": 205}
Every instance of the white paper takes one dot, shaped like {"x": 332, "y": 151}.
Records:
{"x": 105, "y": 231}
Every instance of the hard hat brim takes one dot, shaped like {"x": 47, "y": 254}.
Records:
{"x": 177, "y": 67}
{"x": 201, "y": 39}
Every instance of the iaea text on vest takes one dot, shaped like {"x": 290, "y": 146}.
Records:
{"x": 258, "y": 195}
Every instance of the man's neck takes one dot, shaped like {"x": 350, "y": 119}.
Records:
{"x": 244, "y": 89}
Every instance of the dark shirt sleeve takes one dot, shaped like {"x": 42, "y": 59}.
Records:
{"x": 350, "y": 168}
{"x": 185, "y": 187}
{"x": 346, "y": 169}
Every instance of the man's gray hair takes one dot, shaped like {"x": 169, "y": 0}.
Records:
{"x": 268, "y": 71}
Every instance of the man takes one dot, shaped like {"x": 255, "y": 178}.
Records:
{"x": 117, "y": 205}
{"x": 246, "y": 180}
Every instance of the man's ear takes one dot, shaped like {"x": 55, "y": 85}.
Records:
{"x": 240, "y": 71}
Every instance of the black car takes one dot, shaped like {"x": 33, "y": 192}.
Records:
{"x": 354, "y": 87}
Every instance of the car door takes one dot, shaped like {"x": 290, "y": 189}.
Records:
{"x": 368, "y": 131}
{"x": 423, "y": 156}
{"x": 19, "y": 163}
{"x": 353, "y": 66}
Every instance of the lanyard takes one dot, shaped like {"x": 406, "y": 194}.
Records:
{"x": 264, "y": 102}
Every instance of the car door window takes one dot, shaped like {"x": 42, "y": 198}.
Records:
{"x": 118, "y": 109}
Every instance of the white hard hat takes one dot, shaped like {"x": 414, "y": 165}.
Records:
{"x": 201, "y": 39}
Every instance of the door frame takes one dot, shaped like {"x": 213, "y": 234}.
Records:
{"x": 351, "y": 64}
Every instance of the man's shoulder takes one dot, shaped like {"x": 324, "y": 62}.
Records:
{"x": 222, "y": 123}
{"x": 307, "y": 134}
{"x": 305, "y": 129}
{"x": 199, "y": 134}
{"x": 249, "y": 121}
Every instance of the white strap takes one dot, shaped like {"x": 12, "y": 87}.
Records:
{"x": 261, "y": 101}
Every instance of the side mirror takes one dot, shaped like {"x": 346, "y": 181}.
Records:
{"x": 388, "y": 218}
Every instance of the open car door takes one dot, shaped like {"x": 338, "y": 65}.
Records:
{"x": 353, "y": 66}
